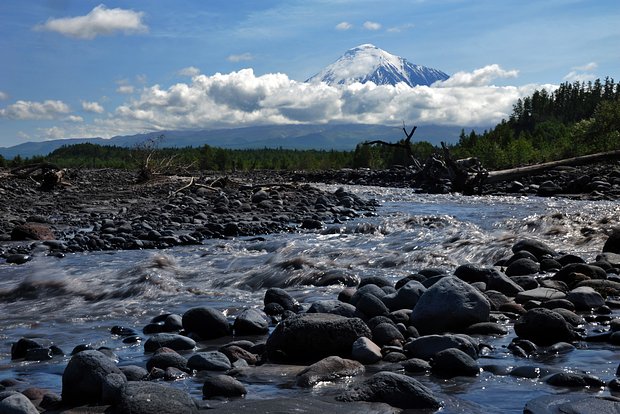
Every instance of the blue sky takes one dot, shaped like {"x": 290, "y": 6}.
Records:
{"x": 79, "y": 68}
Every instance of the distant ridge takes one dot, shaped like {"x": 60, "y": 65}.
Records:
{"x": 324, "y": 136}
{"x": 368, "y": 63}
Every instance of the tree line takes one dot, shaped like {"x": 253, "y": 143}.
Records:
{"x": 575, "y": 119}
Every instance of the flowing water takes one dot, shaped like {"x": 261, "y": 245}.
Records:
{"x": 77, "y": 299}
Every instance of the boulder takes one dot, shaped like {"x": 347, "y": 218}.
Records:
{"x": 153, "y": 398}
{"x": 571, "y": 403}
{"x": 168, "y": 340}
{"x": 453, "y": 362}
{"x": 394, "y": 389}
{"x": 387, "y": 334}
{"x": 223, "y": 386}
{"x": 539, "y": 294}
{"x": 335, "y": 307}
{"x": 449, "y": 305}
{"x": 365, "y": 351}
{"x": 314, "y": 336}
{"x": 83, "y": 377}
{"x": 329, "y": 369}
{"x": 370, "y": 305}
{"x": 537, "y": 248}
{"x": 612, "y": 244}
{"x": 32, "y": 231}
{"x": 406, "y": 297}
{"x": 17, "y": 403}
{"x": 544, "y": 327}
{"x": 251, "y": 322}
{"x": 523, "y": 267}
{"x": 20, "y": 348}
{"x": 426, "y": 347}
{"x": 206, "y": 323}
{"x": 282, "y": 298}
{"x": 209, "y": 361}
{"x": 166, "y": 359}
{"x": 585, "y": 298}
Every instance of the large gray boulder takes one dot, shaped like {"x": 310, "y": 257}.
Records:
{"x": 17, "y": 403}
{"x": 310, "y": 337}
{"x": 329, "y": 369}
{"x": 83, "y": 377}
{"x": 544, "y": 327}
{"x": 449, "y": 305}
{"x": 397, "y": 390}
{"x": 153, "y": 398}
{"x": 206, "y": 323}
{"x": 406, "y": 297}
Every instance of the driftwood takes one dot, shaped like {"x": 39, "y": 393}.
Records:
{"x": 45, "y": 175}
{"x": 516, "y": 173}
{"x": 405, "y": 144}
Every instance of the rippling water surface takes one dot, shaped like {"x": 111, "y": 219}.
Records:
{"x": 78, "y": 299}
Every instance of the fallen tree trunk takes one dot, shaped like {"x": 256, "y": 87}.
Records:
{"x": 516, "y": 173}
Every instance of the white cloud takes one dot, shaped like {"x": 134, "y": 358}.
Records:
{"x": 3, "y": 96}
{"x": 401, "y": 28}
{"x": 93, "y": 107}
{"x": 368, "y": 25}
{"x": 74, "y": 118}
{"x": 25, "y": 110}
{"x": 189, "y": 71}
{"x": 53, "y": 133}
{"x": 344, "y": 26}
{"x": 478, "y": 77}
{"x": 99, "y": 21}
{"x": 587, "y": 67}
{"x": 240, "y": 58}
{"x": 125, "y": 89}
{"x": 582, "y": 73}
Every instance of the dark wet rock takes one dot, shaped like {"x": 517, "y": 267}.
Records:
{"x": 539, "y": 294}
{"x": 585, "y": 298}
{"x": 153, "y": 398}
{"x": 165, "y": 358}
{"x": 415, "y": 276}
{"x": 560, "y": 348}
{"x": 537, "y": 248}
{"x": 335, "y": 307}
{"x": 570, "y": 316}
{"x": 169, "y": 340}
{"x": 112, "y": 388}
{"x": 486, "y": 328}
{"x": 394, "y": 357}
{"x": 416, "y": 366}
{"x": 609, "y": 257}
{"x": 365, "y": 351}
{"x": 223, "y": 386}
{"x": 251, "y": 322}
{"x": 544, "y": 327}
{"x": 209, "y": 361}
{"x": 569, "y": 379}
{"x": 523, "y": 267}
{"x": 394, "y": 389}
{"x": 282, "y": 298}
{"x": 18, "y": 258}
{"x": 301, "y": 405}
{"x": 273, "y": 309}
{"x": 20, "y": 348}
{"x": 531, "y": 371}
{"x": 547, "y": 265}
{"x": 612, "y": 244}
{"x": 367, "y": 289}
{"x": 449, "y": 305}
{"x": 235, "y": 353}
{"x": 134, "y": 372}
{"x": 84, "y": 375}
{"x": 206, "y": 323}
{"x": 329, "y": 369}
{"x": 425, "y": 347}
{"x": 315, "y": 336}
{"x": 604, "y": 287}
{"x": 17, "y": 403}
{"x": 526, "y": 282}
{"x": 375, "y": 280}
{"x": 32, "y": 231}
{"x": 572, "y": 404}
{"x": 554, "y": 304}
{"x": 311, "y": 224}
{"x": 565, "y": 274}
{"x": 496, "y": 299}
{"x": 406, "y": 297}
{"x": 387, "y": 334}
{"x": 569, "y": 258}
{"x": 453, "y": 362}
{"x": 370, "y": 305}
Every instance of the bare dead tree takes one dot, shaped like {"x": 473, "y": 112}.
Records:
{"x": 404, "y": 144}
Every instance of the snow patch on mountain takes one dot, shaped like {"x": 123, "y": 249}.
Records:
{"x": 368, "y": 63}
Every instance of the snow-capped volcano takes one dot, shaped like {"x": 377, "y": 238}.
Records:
{"x": 368, "y": 63}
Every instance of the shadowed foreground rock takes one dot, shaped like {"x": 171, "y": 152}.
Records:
{"x": 310, "y": 337}
{"x": 394, "y": 389}
{"x": 83, "y": 378}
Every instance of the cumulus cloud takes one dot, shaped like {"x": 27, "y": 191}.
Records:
{"x": 28, "y": 110}
{"x": 582, "y": 73}
{"x": 240, "y": 58}
{"x": 74, "y": 118}
{"x": 344, "y": 26}
{"x": 99, "y": 21}
{"x": 3, "y": 96}
{"x": 125, "y": 89}
{"x": 368, "y": 25}
{"x": 93, "y": 107}
{"x": 478, "y": 77}
{"x": 189, "y": 71}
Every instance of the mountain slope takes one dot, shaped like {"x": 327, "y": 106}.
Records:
{"x": 368, "y": 63}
